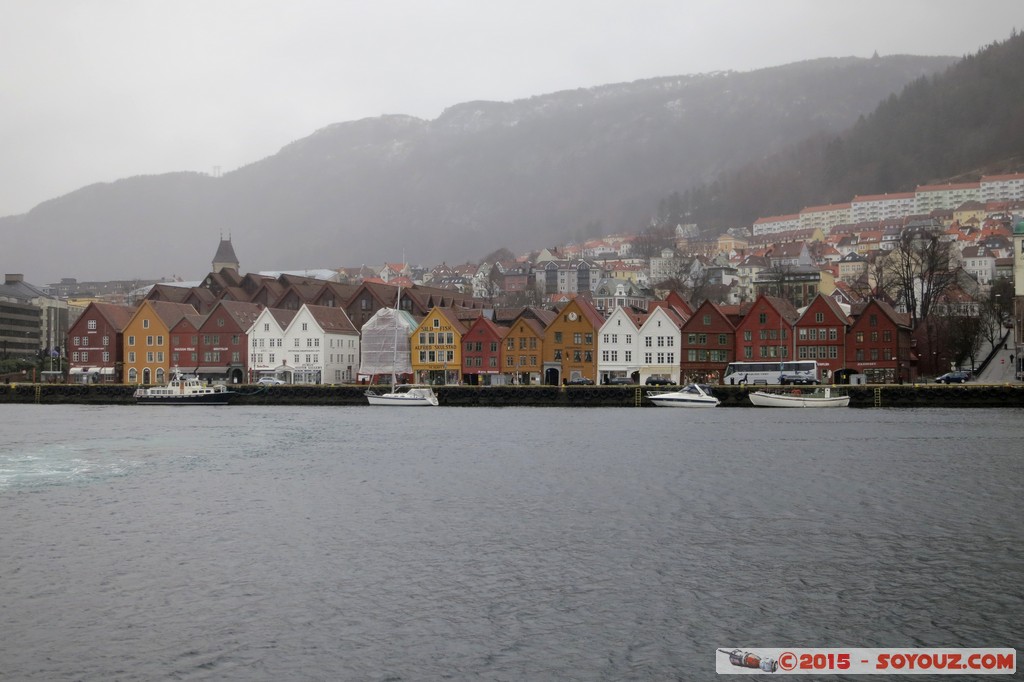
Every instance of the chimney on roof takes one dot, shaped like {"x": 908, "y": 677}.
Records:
{"x": 13, "y": 279}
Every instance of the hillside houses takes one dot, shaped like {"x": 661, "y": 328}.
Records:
{"x": 837, "y": 251}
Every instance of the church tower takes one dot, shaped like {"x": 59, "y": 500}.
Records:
{"x": 225, "y": 256}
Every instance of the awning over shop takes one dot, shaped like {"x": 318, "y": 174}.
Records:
{"x": 109, "y": 371}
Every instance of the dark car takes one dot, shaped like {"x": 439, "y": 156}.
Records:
{"x": 954, "y": 378}
{"x": 659, "y": 381}
{"x": 579, "y": 381}
{"x": 620, "y": 380}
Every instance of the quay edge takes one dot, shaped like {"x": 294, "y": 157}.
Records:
{"x": 861, "y": 396}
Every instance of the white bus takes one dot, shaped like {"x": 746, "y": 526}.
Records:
{"x": 791, "y": 372}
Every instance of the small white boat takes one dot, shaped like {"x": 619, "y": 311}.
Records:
{"x": 184, "y": 389}
{"x": 821, "y": 397}
{"x": 409, "y": 395}
{"x": 692, "y": 395}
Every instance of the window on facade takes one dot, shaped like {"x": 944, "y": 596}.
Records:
{"x": 91, "y": 325}
{"x": 819, "y": 317}
{"x": 558, "y": 337}
{"x": 762, "y": 318}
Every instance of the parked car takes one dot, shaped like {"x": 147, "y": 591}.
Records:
{"x": 269, "y": 381}
{"x": 958, "y": 377}
{"x": 659, "y": 381}
{"x": 579, "y": 381}
{"x": 620, "y": 380}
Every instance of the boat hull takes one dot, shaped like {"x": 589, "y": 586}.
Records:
{"x": 197, "y": 399}
{"x": 763, "y": 399}
{"x": 693, "y": 395}
{"x": 667, "y": 400}
{"x": 411, "y": 398}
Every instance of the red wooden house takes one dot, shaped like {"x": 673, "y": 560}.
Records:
{"x": 708, "y": 343}
{"x": 880, "y": 344}
{"x": 481, "y": 351}
{"x": 94, "y": 345}
{"x": 223, "y": 341}
{"x": 765, "y": 331}
{"x": 821, "y": 335}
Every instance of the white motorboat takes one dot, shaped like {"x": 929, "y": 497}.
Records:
{"x": 692, "y": 395}
{"x": 409, "y": 395}
{"x": 822, "y": 397}
{"x": 184, "y": 389}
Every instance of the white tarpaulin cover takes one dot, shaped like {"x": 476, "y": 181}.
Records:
{"x": 385, "y": 346}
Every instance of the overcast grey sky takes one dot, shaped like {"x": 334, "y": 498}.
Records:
{"x": 96, "y": 90}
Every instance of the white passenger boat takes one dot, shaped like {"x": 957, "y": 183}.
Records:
{"x": 184, "y": 389}
{"x": 692, "y": 395}
{"x": 409, "y": 395}
{"x": 822, "y": 397}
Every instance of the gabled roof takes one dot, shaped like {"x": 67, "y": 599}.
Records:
{"x": 331, "y": 320}
{"x": 244, "y": 314}
{"x": 729, "y": 313}
{"x": 194, "y": 321}
{"x": 899, "y": 319}
{"x": 498, "y": 331}
{"x": 168, "y": 292}
{"x": 833, "y": 306}
{"x": 452, "y": 318}
{"x": 282, "y": 316}
{"x": 783, "y": 307}
{"x": 117, "y": 316}
{"x": 171, "y": 313}
{"x": 590, "y": 311}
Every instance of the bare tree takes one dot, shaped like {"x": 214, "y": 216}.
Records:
{"x": 964, "y": 336}
{"x": 918, "y": 271}
{"x": 651, "y": 241}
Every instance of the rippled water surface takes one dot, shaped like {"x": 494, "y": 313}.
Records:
{"x": 501, "y": 544}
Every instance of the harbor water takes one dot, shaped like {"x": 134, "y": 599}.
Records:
{"x": 358, "y": 543}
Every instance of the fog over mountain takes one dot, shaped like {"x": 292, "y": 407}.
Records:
{"x": 483, "y": 175}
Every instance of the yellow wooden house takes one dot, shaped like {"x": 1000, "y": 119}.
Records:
{"x": 436, "y": 346}
{"x": 522, "y": 349}
{"x": 570, "y": 343}
{"x": 146, "y": 338}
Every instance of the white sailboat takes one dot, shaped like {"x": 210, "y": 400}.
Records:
{"x": 373, "y": 362}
